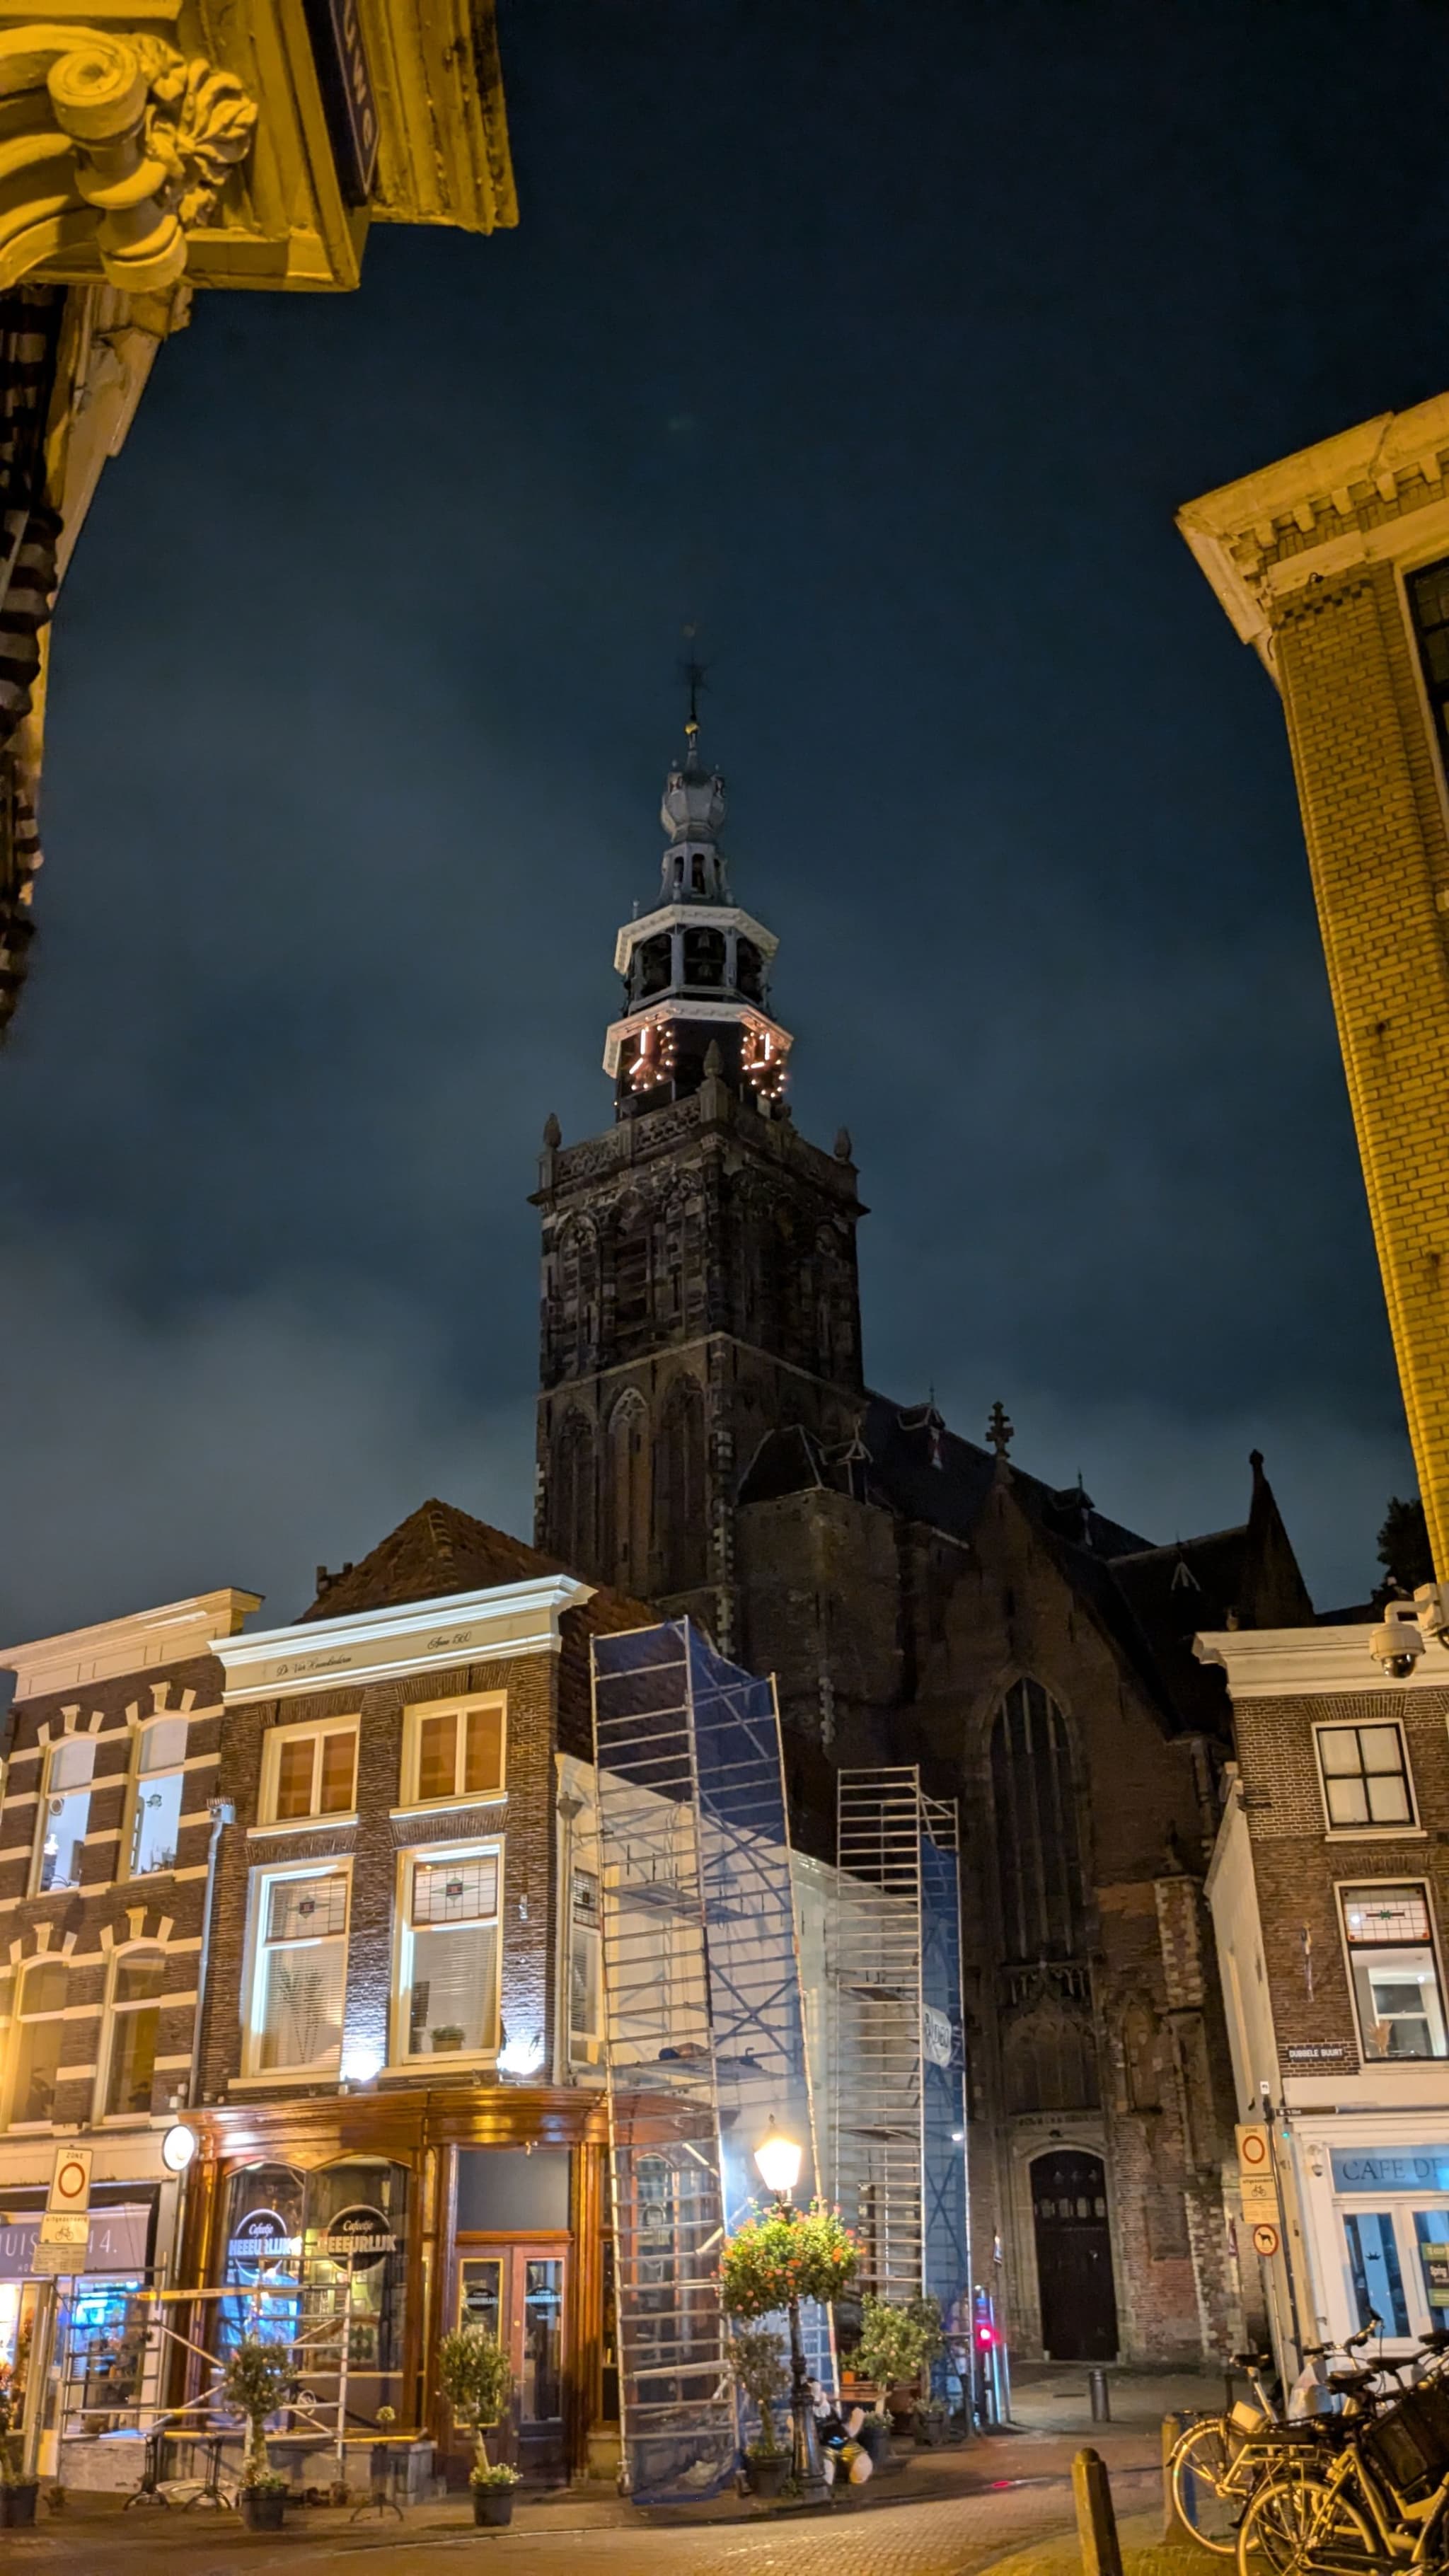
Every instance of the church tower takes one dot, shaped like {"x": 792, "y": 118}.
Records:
{"x": 699, "y": 1268}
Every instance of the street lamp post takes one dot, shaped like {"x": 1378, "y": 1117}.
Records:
{"x": 778, "y": 2160}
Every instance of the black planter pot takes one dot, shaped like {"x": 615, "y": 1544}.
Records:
{"x": 765, "y": 2474}
{"x": 875, "y": 2441}
{"x": 493, "y": 2507}
{"x": 931, "y": 2432}
{"x": 17, "y": 2505}
{"x": 261, "y": 2507}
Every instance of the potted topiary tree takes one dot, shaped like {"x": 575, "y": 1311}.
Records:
{"x": 255, "y": 2381}
{"x": 757, "y": 2367}
{"x": 932, "y": 2414}
{"x": 475, "y": 2378}
{"x": 17, "y": 2492}
{"x": 892, "y": 2343}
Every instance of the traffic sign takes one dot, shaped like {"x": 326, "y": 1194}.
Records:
{"x": 70, "y": 2182}
{"x": 1265, "y": 2241}
{"x": 1255, "y": 2171}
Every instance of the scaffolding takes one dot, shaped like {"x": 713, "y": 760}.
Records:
{"x": 705, "y": 2040}
{"x": 898, "y": 2068}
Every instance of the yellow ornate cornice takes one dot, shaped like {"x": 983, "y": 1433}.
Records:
{"x": 117, "y": 141}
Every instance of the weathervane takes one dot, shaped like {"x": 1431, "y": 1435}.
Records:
{"x": 692, "y": 674}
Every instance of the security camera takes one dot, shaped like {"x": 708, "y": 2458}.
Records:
{"x": 1398, "y": 1644}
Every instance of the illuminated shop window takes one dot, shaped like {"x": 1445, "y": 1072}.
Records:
{"x": 448, "y": 1967}
{"x": 65, "y": 1807}
{"x": 133, "y": 2023}
{"x": 36, "y": 2040}
{"x": 1395, "y": 1976}
{"x": 309, "y": 1771}
{"x": 299, "y": 1977}
{"x": 157, "y": 1794}
{"x": 453, "y": 1749}
{"x": 1365, "y": 1776}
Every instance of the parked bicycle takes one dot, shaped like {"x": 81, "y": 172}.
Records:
{"x": 1218, "y": 2463}
{"x": 1378, "y": 2497}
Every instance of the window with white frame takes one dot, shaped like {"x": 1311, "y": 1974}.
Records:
{"x": 37, "y": 2039}
{"x": 1394, "y": 1972}
{"x": 448, "y": 1968}
{"x": 156, "y": 1795}
{"x": 65, "y": 1807}
{"x": 1365, "y": 1776}
{"x": 309, "y": 1771}
{"x": 299, "y": 1971}
{"x": 133, "y": 2023}
{"x": 453, "y": 1749}
{"x": 586, "y": 1979}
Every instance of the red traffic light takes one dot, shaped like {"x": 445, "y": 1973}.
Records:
{"x": 985, "y": 2336}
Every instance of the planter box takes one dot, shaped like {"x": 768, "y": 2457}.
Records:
{"x": 262, "y": 2510}
{"x": 493, "y": 2507}
{"x": 767, "y": 2476}
{"x": 17, "y": 2505}
{"x": 875, "y": 2441}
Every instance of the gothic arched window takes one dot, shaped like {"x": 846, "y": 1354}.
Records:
{"x": 682, "y": 1535}
{"x": 573, "y": 1514}
{"x": 1039, "y": 1855}
{"x": 1049, "y": 2062}
{"x": 628, "y": 1493}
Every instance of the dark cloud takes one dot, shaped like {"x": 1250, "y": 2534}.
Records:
{"x": 884, "y": 344}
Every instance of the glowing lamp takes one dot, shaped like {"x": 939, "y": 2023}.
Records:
{"x": 178, "y": 2147}
{"x": 986, "y": 2337}
{"x": 777, "y": 2160}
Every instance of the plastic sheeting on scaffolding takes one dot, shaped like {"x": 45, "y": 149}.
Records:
{"x": 898, "y": 2072}
{"x": 704, "y": 2029}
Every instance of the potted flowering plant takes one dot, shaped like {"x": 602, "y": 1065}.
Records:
{"x": 477, "y": 2381}
{"x": 777, "y": 2257}
{"x": 255, "y": 2381}
{"x": 17, "y": 2492}
{"x": 757, "y": 2367}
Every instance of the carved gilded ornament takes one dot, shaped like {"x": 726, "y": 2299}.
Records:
{"x": 119, "y": 141}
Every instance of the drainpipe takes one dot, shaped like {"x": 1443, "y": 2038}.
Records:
{"x": 222, "y": 1812}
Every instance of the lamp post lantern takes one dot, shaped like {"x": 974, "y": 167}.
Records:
{"x": 778, "y": 2160}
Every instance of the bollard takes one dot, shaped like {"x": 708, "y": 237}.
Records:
{"x": 1096, "y": 2521}
{"x": 1172, "y": 2427}
{"x": 1100, "y": 2396}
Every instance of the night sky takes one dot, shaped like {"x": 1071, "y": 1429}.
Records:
{"x": 882, "y": 342}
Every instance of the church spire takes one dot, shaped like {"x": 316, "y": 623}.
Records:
{"x": 696, "y": 967}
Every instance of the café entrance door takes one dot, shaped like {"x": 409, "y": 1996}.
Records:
{"x": 517, "y": 2292}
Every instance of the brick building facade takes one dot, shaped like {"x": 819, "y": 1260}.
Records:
{"x": 706, "y": 1436}
{"x": 1330, "y": 1897}
{"x": 392, "y": 2015}
{"x": 107, "y": 1837}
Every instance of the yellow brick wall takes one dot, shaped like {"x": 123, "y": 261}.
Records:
{"x": 1378, "y": 852}
{"x": 1311, "y": 576}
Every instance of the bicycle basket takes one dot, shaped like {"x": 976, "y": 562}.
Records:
{"x": 1246, "y": 2418}
{"x": 1409, "y": 2443}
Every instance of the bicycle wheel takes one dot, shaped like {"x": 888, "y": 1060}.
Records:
{"x": 1302, "y": 2525}
{"x": 1210, "y": 2484}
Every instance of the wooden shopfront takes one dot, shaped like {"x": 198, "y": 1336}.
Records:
{"x": 482, "y": 2205}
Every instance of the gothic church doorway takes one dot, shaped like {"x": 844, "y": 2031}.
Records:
{"x": 1074, "y": 2257}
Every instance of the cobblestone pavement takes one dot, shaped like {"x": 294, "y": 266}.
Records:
{"x": 953, "y": 2536}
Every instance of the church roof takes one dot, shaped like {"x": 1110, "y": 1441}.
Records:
{"x": 1151, "y": 1600}
{"x": 439, "y": 1549}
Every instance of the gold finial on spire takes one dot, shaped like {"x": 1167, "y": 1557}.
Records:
{"x": 692, "y": 674}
